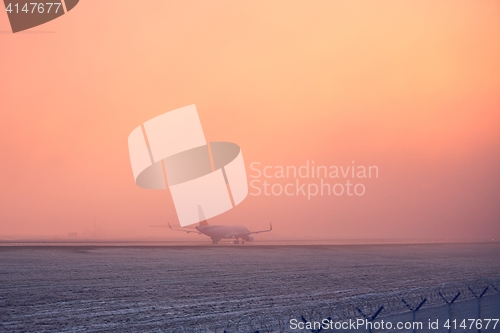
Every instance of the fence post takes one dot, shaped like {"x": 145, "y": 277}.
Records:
{"x": 414, "y": 311}
{"x": 450, "y": 303}
{"x": 370, "y": 318}
{"x": 478, "y": 297}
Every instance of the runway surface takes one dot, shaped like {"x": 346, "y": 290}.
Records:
{"x": 141, "y": 289}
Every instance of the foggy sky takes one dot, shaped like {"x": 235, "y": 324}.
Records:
{"x": 410, "y": 87}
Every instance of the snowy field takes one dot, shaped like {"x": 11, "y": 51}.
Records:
{"x": 151, "y": 289}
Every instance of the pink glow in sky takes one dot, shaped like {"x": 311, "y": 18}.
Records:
{"x": 410, "y": 87}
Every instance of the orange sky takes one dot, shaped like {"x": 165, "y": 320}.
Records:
{"x": 410, "y": 86}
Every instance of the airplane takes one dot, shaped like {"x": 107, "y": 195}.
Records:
{"x": 218, "y": 232}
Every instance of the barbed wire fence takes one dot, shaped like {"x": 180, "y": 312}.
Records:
{"x": 372, "y": 307}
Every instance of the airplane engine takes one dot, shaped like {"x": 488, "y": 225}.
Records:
{"x": 248, "y": 238}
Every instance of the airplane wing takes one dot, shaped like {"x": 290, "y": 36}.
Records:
{"x": 176, "y": 229}
{"x": 258, "y": 232}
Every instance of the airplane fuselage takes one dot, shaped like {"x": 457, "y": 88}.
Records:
{"x": 218, "y": 232}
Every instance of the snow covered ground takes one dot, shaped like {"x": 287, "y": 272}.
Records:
{"x": 155, "y": 289}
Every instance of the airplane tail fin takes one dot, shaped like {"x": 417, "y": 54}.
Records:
{"x": 203, "y": 220}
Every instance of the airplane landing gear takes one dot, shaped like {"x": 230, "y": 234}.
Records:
{"x": 214, "y": 241}
{"x": 236, "y": 241}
